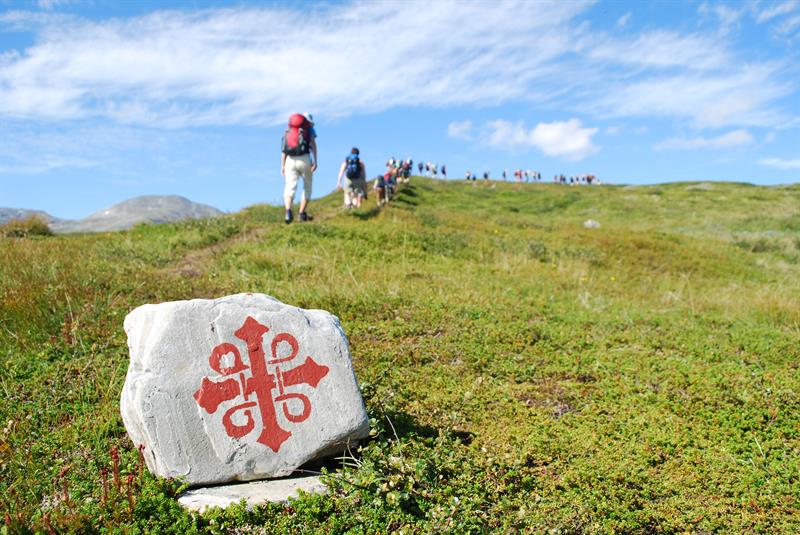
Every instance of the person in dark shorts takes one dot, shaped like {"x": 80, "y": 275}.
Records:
{"x": 385, "y": 186}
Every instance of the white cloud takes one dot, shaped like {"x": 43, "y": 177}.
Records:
{"x": 560, "y": 138}
{"x": 776, "y": 10}
{"x": 779, "y": 163}
{"x": 695, "y": 76}
{"x": 28, "y": 149}
{"x": 623, "y": 21}
{"x": 505, "y": 134}
{"x": 789, "y": 25}
{"x": 741, "y": 98}
{"x": 460, "y": 129}
{"x": 237, "y": 66}
{"x": 784, "y": 17}
{"x": 660, "y": 49}
{"x": 726, "y": 15}
{"x": 735, "y": 138}
{"x": 50, "y": 4}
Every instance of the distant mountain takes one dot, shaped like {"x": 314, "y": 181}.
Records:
{"x": 144, "y": 209}
{"x": 7, "y": 214}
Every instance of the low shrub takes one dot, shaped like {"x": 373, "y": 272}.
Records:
{"x": 22, "y": 228}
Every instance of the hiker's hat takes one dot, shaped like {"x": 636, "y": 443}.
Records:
{"x": 309, "y": 117}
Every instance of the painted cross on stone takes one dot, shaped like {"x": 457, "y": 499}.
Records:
{"x": 264, "y": 377}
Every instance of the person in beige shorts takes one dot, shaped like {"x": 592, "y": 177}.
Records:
{"x": 293, "y": 167}
{"x": 354, "y": 173}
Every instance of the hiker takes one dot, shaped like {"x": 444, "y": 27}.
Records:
{"x": 444, "y": 172}
{"x": 384, "y": 186}
{"x": 405, "y": 170}
{"x": 420, "y": 165}
{"x": 355, "y": 183}
{"x": 505, "y": 175}
{"x": 298, "y": 146}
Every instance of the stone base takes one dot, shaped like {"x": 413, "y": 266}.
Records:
{"x": 254, "y": 493}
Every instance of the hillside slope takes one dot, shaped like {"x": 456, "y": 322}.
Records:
{"x": 523, "y": 372}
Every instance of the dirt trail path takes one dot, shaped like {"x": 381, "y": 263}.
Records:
{"x": 191, "y": 264}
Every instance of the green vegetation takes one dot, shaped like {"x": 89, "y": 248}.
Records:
{"x": 22, "y": 228}
{"x": 522, "y": 372}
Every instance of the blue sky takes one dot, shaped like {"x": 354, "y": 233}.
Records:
{"x": 102, "y": 101}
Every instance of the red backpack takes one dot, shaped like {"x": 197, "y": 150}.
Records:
{"x": 297, "y": 138}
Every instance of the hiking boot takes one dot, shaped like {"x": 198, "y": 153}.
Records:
{"x": 305, "y": 217}
{"x": 289, "y": 217}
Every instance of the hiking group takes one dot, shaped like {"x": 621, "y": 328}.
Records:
{"x": 354, "y": 173}
{"x": 299, "y": 160}
{"x": 397, "y": 172}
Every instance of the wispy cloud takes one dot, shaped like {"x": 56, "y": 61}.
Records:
{"x": 783, "y": 17}
{"x": 662, "y": 48}
{"x": 27, "y": 149}
{"x": 726, "y": 15}
{"x": 736, "y": 138}
{"x": 789, "y": 25}
{"x": 623, "y": 21}
{"x": 460, "y": 129}
{"x": 237, "y": 66}
{"x": 780, "y": 163}
{"x": 50, "y": 4}
{"x": 776, "y": 10}
{"x": 568, "y": 139}
{"x": 740, "y": 98}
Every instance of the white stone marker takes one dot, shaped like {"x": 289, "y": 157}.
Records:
{"x": 238, "y": 388}
{"x": 254, "y": 493}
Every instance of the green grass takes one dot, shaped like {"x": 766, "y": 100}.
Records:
{"x": 522, "y": 372}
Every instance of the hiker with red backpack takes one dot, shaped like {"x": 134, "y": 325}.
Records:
{"x": 355, "y": 179}
{"x": 298, "y": 146}
{"x": 385, "y": 185}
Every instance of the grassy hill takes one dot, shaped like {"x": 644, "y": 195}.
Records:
{"x": 522, "y": 372}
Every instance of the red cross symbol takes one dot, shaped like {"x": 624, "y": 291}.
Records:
{"x": 265, "y": 376}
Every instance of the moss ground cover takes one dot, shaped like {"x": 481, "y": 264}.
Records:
{"x": 522, "y": 372}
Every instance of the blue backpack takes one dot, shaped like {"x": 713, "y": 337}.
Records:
{"x": 353, "y": 169}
